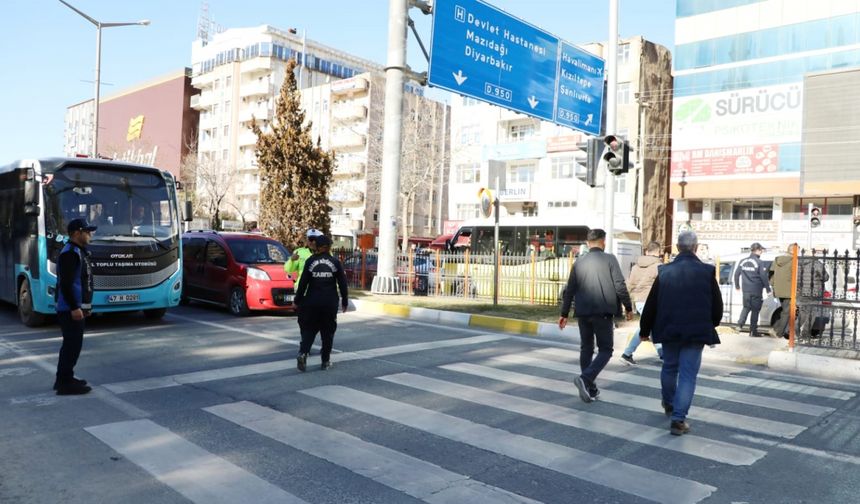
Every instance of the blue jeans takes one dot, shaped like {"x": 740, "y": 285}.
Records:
{"x": 635, "y": 341}
{"x": 681, "y": 364}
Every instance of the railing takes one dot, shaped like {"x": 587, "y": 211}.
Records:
{"x": 828, "y": 309}
{"x": 528, "y": 279}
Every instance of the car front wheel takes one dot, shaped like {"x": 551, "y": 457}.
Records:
{"x": 238, "y": 304}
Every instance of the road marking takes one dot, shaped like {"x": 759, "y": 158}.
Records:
{"x": 378, "y": 463}
{"x": 646, "y": 381}
{"x": 718, "y": 417}
{"x": 739, "y": 380}
{"x": 628, "y": 478}
{"x": 839, "y": 457}
{"x": 197, "y": 474}
{"x": 17, "y": 371}
{"x": 161, "y": 382}
{"x": 225, "y": 327}
{"x": 689, "y": 444}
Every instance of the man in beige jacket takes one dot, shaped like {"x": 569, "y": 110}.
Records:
{"x": 639, "y": 284}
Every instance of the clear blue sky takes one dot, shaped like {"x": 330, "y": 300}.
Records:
{"x": 47, "y": 51}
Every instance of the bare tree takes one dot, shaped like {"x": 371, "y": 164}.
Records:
{"x": 209, "y": 181}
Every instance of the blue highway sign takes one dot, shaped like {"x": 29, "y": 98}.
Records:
{"x": 483, "y": 52}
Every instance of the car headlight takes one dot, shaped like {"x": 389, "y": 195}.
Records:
{"x": 258, "y": 274}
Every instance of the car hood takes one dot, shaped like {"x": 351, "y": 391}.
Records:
{"x": 275, "y": 271}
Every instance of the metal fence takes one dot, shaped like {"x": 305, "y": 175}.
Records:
{"x": 828, "y": 308}
{"x": 532, "y": 279}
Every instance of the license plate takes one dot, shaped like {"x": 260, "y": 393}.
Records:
{"x": 123, "y": 298}
{"x": 288, "y": 298}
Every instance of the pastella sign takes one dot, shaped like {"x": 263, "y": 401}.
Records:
{"x": 483, "y": 52}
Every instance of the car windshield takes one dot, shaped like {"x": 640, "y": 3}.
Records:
{"x": 126, "y": 205}
{"x": 258, "y": 251}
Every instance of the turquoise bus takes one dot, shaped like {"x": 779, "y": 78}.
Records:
{"x": 136, "y": 252}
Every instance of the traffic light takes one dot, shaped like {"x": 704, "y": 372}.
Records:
{"x": 593, "y": 148}
{"x": 814, "y": 217}
{"x": 617, "y": 154}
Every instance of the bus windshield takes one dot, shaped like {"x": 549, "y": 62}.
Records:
{"x": 126, "y": 205}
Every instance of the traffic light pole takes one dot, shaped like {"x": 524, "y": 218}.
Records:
{"x": 611, "y": 97}
{"x": 809, "y": 227}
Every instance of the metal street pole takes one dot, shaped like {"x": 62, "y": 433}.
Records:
{"x": 386, "y": 282}
{"x": 496, "y": 246}
{"x": 809, "y": 227}
{"x": 442, "y": 164}
{"x": 611, "y": 97}
{"x": 99, "y": 25}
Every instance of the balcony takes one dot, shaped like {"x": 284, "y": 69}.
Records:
{"x": 349, "y": 112}
{"x": 203, "y": 81}
{"x": 258, "y": 112}
{"x": 350, "y": 169}
{"x": 256, "y": 88}
{"x": 349, "y": 87}
{"x": 256, "y": 66}
{"x": 252, "y": 189}
{"x": 210, "y": 121}
{"x": 347, "y": 196}
{"x": 247, "y": 137}
{"x": 346, "y": 139}
{"x": 346, "y": 223}
{"x": 202, "y": 101}
{"x": 207, "y": 145}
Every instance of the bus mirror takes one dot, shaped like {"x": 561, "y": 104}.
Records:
{"x": 188, "y": 215}
{"x": 31, "y": 192}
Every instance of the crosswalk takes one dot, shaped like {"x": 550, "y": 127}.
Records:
{"x": 479, "y": 405}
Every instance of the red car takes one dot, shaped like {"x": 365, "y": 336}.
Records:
{"x": 242, "y": 271}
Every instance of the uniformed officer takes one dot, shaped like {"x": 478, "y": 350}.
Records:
{"x": 74, "y": 297}
{"x": 317, "y": 302}
{"x": 755, "y": 280}
{"x": 296, "y": 262}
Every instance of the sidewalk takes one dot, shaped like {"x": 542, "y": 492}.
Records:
{"x": 737, "y": 348}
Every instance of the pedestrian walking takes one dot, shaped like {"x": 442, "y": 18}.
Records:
{"x": 780, "y": 270}
{"x": 597, "y": 290}
{"x": 754, "y": 275}
{"x": 812, "y": 278}
{"x": 682, "y": 312}
{"x": 73, "y": 296}
{"x": 295, "y": 265}
{"x": 639, "y": 284}
{"x": 317, "y": 302}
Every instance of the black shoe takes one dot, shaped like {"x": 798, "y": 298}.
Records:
{"x": 628, "y": 359}
{"x": 667, "y": 408}
{"x": 583, "y": 389}
{"x": 73, "y": 389}
{"x": 326, "y": 365}
{"x": 677, "y": 428}
{"x": 74, "y": 380}
{"x": 302, "y": 362}
{"x": 594, "y": 392}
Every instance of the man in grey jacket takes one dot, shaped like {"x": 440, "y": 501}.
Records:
{"x": 596, "y": 288}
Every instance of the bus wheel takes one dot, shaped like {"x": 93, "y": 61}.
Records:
{"x": 29, "y": 316}
{"x": 238, "y": 304}
{"x": 155, "y": 313}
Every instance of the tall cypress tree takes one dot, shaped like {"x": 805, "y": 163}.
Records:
{"x": 295, "y": 173}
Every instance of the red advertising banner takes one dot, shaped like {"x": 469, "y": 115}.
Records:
{"x": 750, "y": 159}
{"x": 450, "y": 227}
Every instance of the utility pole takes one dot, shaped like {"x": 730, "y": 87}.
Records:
{"x": 611, "y": 101}
{"x": 442, "y": 163}
{"x": 386, "y": 281}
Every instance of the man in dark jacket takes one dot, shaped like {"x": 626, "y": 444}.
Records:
{"x": 597, "y": 289}
{"x": 682, "y": 312}
{"x": 755, "y": 280}
{"x": 317, "y": 302}
{"x": 74, "y": 296}
{"x": 781, "y": 280}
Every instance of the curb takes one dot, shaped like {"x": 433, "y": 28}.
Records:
{"x": 473, "y": 321}
{"x": 815, "y": 365}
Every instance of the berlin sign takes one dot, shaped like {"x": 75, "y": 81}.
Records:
{"x": 483, "y": 52}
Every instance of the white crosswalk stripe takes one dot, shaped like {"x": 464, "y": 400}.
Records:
{"x": 381, "y": 464}
{"x": 190, "y": 470}
{"x": 628, "y": 478}
{"x": 718, "y": 417}
{"x": 645, "y": 381}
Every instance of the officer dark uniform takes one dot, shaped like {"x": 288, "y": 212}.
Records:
{"x": 755, "y": 280}
{"x": 317, "y": 302}
{"x": 74, "y": 297}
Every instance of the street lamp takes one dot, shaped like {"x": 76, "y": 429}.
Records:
{"x": 99, "y": 25}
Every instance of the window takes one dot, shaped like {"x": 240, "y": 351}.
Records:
{"x": 227, "y": 108}
{"x": 215, "y": 254}
{"x": 521, "y": 173}
{"x": 521, "y": 132}
{"x": 468, "y": 173}
{"x": 226, "y": 131}
{"x": 469, "y": 102}
{"x": 623, "y": 93}
{"x": 563, "y": 167}
{"x": 743, "y": 210}
{"x": 621, "y": 183}
{"x": 227, "y": 81}
{"x": 467, "y": 211}
{"x": 470, "y": 135}
{"x": 225, "y": 154}
{"x": 623, "y": 54}
{"x": 695, "y": 210}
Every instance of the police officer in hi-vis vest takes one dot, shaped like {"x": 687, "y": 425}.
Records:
{"x": 317, "y": 301}
{"x": 74, "y": 297}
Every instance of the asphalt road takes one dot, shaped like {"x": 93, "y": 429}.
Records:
{"x": 207, "y": 408}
